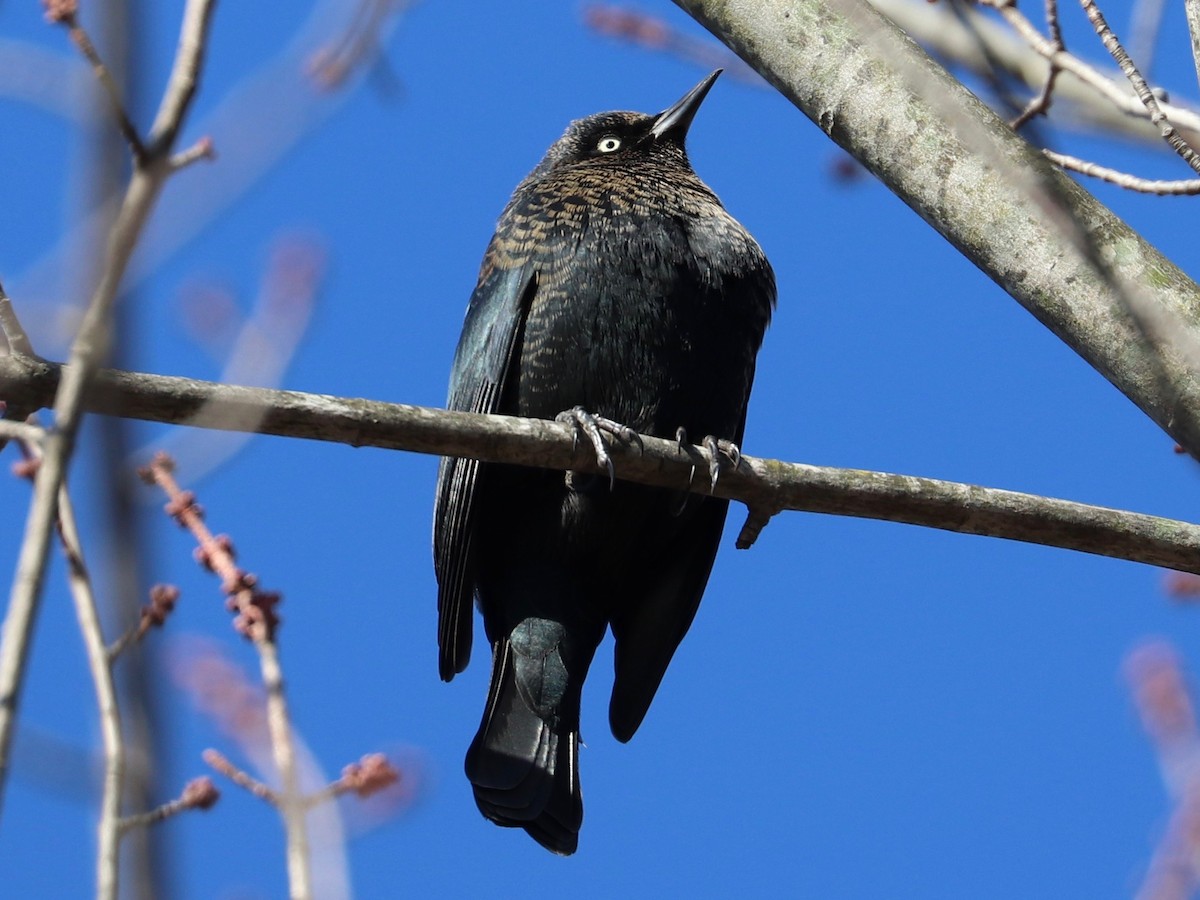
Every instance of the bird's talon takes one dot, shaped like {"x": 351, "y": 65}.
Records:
{"x": 629, "y": 436}
{"x": 592, "y": 427}
{"x": 718, "y": 447}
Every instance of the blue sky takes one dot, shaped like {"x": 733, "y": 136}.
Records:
{"x": 861, "y": 709}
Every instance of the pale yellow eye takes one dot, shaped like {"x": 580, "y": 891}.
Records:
{"x": 608, "y": 143}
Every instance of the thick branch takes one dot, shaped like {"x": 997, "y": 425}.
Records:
{"x": 965, "y": 172}
{"x": 766, "y": 486}
{"x": 1193, "y": 20}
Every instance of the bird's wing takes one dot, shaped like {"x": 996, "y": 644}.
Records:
{"x": 487, "y": 350}
{"x": 649, "y": 629}
{"x": 648, "y": 634}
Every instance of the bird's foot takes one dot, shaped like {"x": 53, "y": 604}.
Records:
{"x": 717, "y": 448}
{"x": 593, "y": 428}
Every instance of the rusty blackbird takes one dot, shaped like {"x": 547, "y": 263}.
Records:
{"x": 618, "y": 288}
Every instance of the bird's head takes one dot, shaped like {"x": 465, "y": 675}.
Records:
{"x": 621, "y": 138}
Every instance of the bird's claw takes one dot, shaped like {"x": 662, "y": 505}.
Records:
{"x": 592, "y": 427}
{"x": 718, "y": 447}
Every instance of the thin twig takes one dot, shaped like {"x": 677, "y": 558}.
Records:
{"x": 108, "y": 854}
{"x": 199, "y": 793}
{"x": 87, "y": 352}
{"x": 258, "y": 621}
{"x": 21, "y": 431}
{"x": 1145, "y": 95}
{"x": 292, "y": 803}
{"x": 162, "y": 602}
{"x": 241, "y": 778}
{"x": 185, "y": 77}
{"x": 944, "y": 33}
{"x": 368, "y": 776}
{"x": 66, "y": 14}
{"x": 1124, "y": 100}
{"x": 1040, "y": 105}
{"x": 202, "y": 149}
{"x": 86, "y": 612}
{"x": 1184, "y": 187}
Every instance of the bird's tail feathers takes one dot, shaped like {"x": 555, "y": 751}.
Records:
{"x": 524, "y": 762}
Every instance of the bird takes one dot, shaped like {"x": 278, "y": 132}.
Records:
{"x": 616, "y": 294}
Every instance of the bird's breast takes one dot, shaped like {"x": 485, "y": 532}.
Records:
{"x": 640, "y": 316}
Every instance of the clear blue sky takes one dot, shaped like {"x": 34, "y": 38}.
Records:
{"x": 860, "y": 710}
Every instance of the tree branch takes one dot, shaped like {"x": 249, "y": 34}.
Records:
{"x": 985, "y": 189}
{"x": 766, "y": 486}
{"x": 1098, "y": 101}
{"x": 1193, "y": 20}
{"x": 88, "y": 351}
{"x": 108, "y": 856}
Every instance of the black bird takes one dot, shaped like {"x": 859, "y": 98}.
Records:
{"x": 617, "y": 288}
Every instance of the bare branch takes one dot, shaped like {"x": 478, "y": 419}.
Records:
{"x": 967, "y": 37}
{"x": 87, "y": 352}
{"x": 199, "y": 793}
{"x": 1193, "y": 20}
{"x": 257, "y": 620}
{"x": 1015, "y": 216}
{"x": 67, "y": 14}
{"x": 202, "y": 149}
{"x": 1145, "y": 95}
{"x": 163, "y": 598}
{"x": 86, "y": 612}
{"x": 241, "y": 778}
{"x": 21, "y": 431}
{"x": 1122, "y": 179}
{"x": 766, "y": 486}
{"x": 185, "y": 76}
{"x": 1040, "y": 104}
{"x": 371, "y": 774}
{"x": 108, "y": 856}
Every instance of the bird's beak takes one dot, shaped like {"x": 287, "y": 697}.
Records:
{"x": 674, "y": 121}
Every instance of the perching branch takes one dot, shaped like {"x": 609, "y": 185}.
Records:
{"x": 766, "y": 486}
